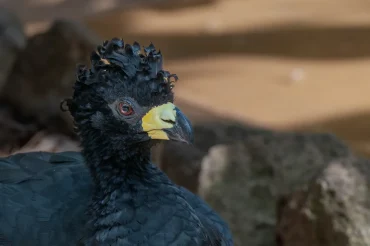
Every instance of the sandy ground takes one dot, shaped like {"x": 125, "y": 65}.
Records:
{"x": 284, "y": 64}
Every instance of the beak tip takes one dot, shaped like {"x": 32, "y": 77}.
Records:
{"x": 182, "y": 131}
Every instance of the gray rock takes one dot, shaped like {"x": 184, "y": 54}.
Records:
{"x": 12, "y": 41}
{"x": 180, "y": 162}
{"x": 241, "y": 190}
{"x": 183, "y": 162}
{"x": 334, "y": 210}
{"x": 44, "y": 73}
{"x": 243, "y": 172}
{"x": 13, "y": 133}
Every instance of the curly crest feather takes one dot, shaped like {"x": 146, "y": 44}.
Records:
{"x": 125, "y": 63}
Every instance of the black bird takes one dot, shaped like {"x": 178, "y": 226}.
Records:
{"x": 111, "y": 194}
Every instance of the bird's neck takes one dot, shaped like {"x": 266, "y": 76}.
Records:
{"x": 124, "y": 180}
{"x": 112, "y": 169}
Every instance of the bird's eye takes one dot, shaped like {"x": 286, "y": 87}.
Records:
{"x": 125, "y": 108}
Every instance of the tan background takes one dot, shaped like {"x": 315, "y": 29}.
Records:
{"x": 284, "y": 64}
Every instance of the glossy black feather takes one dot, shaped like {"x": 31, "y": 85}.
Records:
{"x": 44, "y": 196}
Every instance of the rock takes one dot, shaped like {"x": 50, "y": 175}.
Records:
{"x": 243, "y": 171}
{"x": 48, "y": 142}
{"x": 13, "y": 133}
{"x": 183, "y": 162}
{"x": 44, "y": 73}
{"x": 242, "y": 192}
{"x": 12, "y": 41}
{"x": 177, "y": 158}
{"x": 333, "y": 210}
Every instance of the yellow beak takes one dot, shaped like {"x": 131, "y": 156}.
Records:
{"x": 167, "y": 122}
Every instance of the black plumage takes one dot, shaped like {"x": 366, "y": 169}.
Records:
{"x": 111, "y": 194}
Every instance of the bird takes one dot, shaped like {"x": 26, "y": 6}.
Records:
{"x": 110, "y": 193}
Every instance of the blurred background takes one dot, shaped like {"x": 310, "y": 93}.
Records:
{"x": 278, "y": 84}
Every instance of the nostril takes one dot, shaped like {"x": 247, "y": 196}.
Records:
{"x": 169, "y": 121}
{"x": 168, "y": 116}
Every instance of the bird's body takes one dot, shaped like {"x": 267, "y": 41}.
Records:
{"x": 44, "y": 200}
{"x": 111, "y": 194}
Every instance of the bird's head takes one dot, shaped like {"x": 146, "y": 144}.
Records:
{"x": 126, "y": 97}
